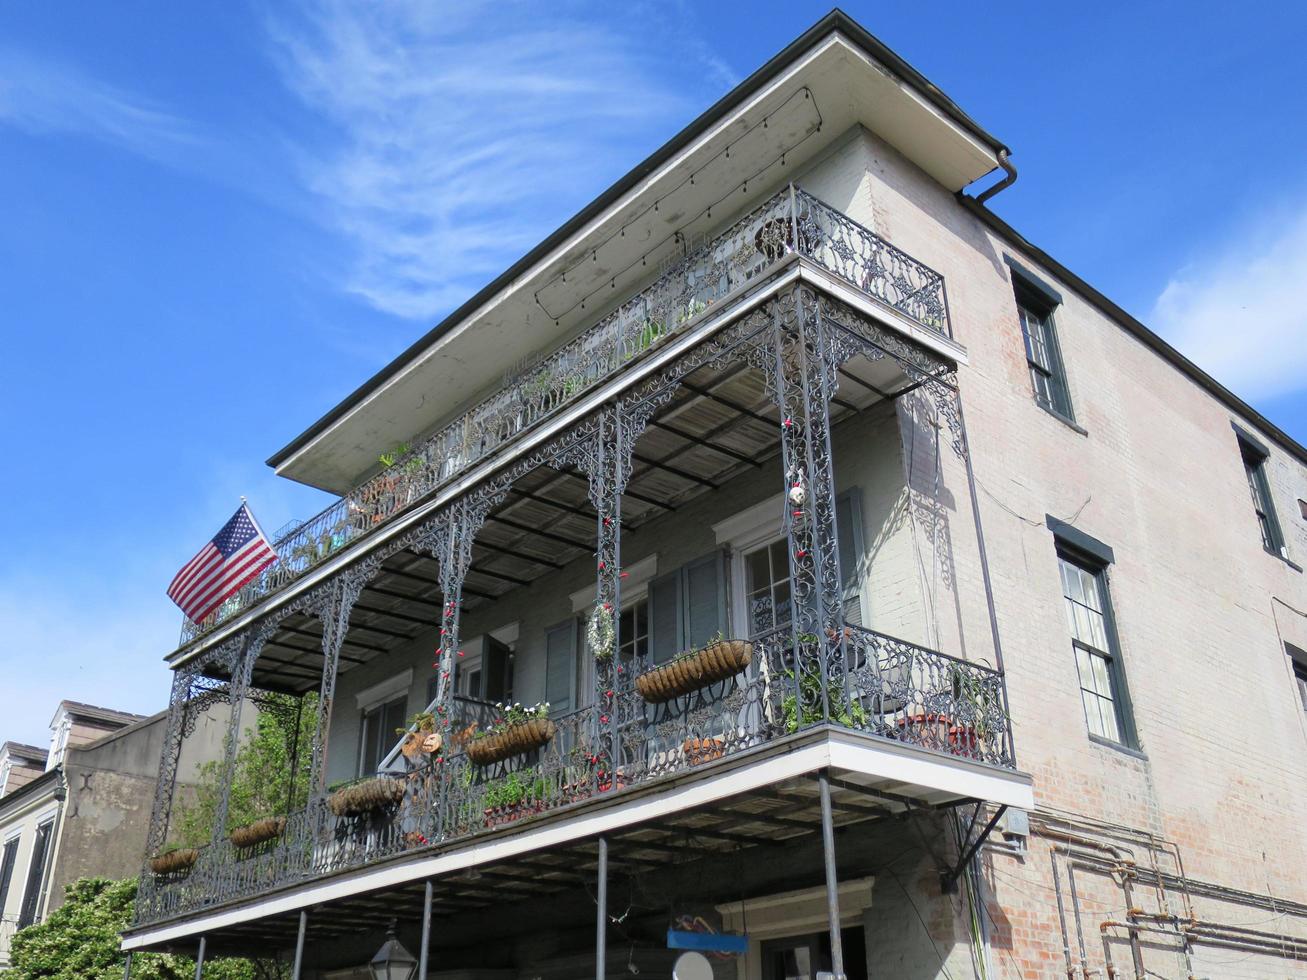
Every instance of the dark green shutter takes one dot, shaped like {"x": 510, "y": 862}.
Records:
{"x": 560, "y": 666}
{"x": 496, "y": 671}
{"x": 705, "y": 599}
{"x": 665, "y": 617}
{"x": 848, "y": 523}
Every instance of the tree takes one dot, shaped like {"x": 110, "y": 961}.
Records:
{"x": 264, "y": 782}
{"x": 80, "y": 941}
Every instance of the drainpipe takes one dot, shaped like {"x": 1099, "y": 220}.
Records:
{"x": 1010, "y": 178}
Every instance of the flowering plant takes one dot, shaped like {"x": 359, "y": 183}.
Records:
{"x": 599, "y": 632}
{"x": 508, "y": 715}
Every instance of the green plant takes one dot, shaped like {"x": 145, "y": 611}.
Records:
{"x": 423, "y": 722}
{"x": 80, "y": 941}
{"x": 264, "y": 782}
{"x": 392, "y": 456}
{"x": 804, "y": 706}
{"x": 509, "y": 715}
{"x": 514, "y": 789}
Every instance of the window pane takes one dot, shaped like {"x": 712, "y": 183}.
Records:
{"x": 1085, "y": 598}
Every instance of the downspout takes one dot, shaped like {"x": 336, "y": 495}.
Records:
{"x": 1010, "y": 178}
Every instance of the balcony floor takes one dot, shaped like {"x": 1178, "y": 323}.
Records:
{"x": 757, "y": 797}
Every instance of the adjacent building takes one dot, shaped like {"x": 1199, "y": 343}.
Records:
{"x": 79, "y": 807}
{"x": 784, "y": 560}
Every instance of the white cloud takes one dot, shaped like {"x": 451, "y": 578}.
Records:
{"x": 1240, "y": 313}
{"x": 46, "y": 97}
{"x": 457, "y": 133}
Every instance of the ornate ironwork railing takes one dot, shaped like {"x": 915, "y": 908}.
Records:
{"x": 788, "y": 222}
{"x": 854, "y": 678}
{"x": 8, "y": 926}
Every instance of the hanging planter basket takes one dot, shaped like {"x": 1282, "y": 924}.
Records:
{"x": 174, "y": 861}
{"x": 365, "y": 797}
{"x": 259, "y": 832}
{"x": 513, "y": 740}
{"x": 691, "y": 671}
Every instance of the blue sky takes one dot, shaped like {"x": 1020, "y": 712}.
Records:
{"x": 217, "y": 220}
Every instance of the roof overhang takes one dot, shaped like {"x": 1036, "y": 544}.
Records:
{"x": 832, "y": 79}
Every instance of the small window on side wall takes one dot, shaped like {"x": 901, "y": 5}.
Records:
{"x": 1095, "y": 647}
{"x": 1254, "y": 467}
{"x": 1043, "y": 352}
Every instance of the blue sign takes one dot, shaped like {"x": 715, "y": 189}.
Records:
{"x": 707, "y": 942}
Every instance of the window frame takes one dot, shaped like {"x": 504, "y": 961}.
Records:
{"x": 379, "y": 709}
{"x": 9, "y": 848}
{"x": 1036, "y": 301}
{"x": 38, "y": 861}
{"x": 1254, "y": 457}
{"x": 1098, "y": 569}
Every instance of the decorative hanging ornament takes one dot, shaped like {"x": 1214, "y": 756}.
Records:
{"x": 798, "y": 495}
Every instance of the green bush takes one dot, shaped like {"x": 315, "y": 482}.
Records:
{"x": 80, "y": 941}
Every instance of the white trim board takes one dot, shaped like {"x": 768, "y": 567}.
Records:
{"x": 848, "y": 751}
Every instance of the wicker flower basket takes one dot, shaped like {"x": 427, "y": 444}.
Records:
{"x": 364, "y": 797}
{"x": 513, "y": 740}
{"x": 174, "y": 861}
{"x": 259, "y": 832}
{"x": 713, "y": 663}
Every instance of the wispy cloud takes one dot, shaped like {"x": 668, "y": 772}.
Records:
{"x": 42, "y": 96}
{"x": 457, "y": 134}
{"x": 1239, "y": 313}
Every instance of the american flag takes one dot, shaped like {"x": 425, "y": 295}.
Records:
{"x": 236, "y": 554}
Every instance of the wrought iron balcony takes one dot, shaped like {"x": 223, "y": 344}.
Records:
{"x": 853, "y": 678}
{"x": 792, "y": 221}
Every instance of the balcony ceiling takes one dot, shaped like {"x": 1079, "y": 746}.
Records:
{"x": 721, "y": 424}
{"x": 832, "y": 79}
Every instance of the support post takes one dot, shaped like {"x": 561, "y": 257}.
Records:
{"x": 127, "y": 968}
{"x": 299, "y": 945}
{"x": 601, "y": 921}
{"x": 832, "y": 879}
{"x": 241, "y": 673}
{"x": 425, "y": 953}
{"x": 199, "y": 960}
{"x": 803, "y": 384}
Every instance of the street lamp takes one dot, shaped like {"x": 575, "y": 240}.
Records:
{"x": 393, "y": 961}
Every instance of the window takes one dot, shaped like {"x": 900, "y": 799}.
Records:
{"x": 1093, "y": 640}
{"x": 1254, "y": 465}
{"x": 35, "y": 875}
{"x": 1043, "y": 354}
{"x": 7, "y": 861}
{"x": 633, "y": 630}
{"x": 561, "y": 666}
{"x": 377, "y": 734}
{"x": 767, "y": 571}
{"x": 1300, "y": 676}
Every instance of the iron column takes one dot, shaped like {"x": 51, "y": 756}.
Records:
{"x": 832, "y": 880}
{"x": 601, "y": 922}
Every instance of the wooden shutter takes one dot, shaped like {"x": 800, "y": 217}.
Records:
{"x": 496, "y": 671}
{"x": 705, "y": 599}
{"x": 7, "y": 870}
{"x": 560, "y": 666}
{"x": 35, "y": 874}
{"x": 848, "y": 523}
{"x": 665, "y": 616}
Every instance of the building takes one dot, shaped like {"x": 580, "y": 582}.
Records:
{"x": 80, "y": 807}
{"x": 1009, "y": 598}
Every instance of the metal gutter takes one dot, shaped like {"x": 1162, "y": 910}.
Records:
{"x": 1136, "y": 328}
{"x": 836, "y": 22}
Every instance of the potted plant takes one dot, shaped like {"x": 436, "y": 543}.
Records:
{"x": 700, "y": 750}
{"x": 516, "y": 730}
{"x": 803, "y": 707}
{"x": 258, "y": 832}
{"x": 174, "y": 860}
{"x": 366, "y": 796}
{"x": 719, "y": 659}
{"x": 513, "y": 797}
